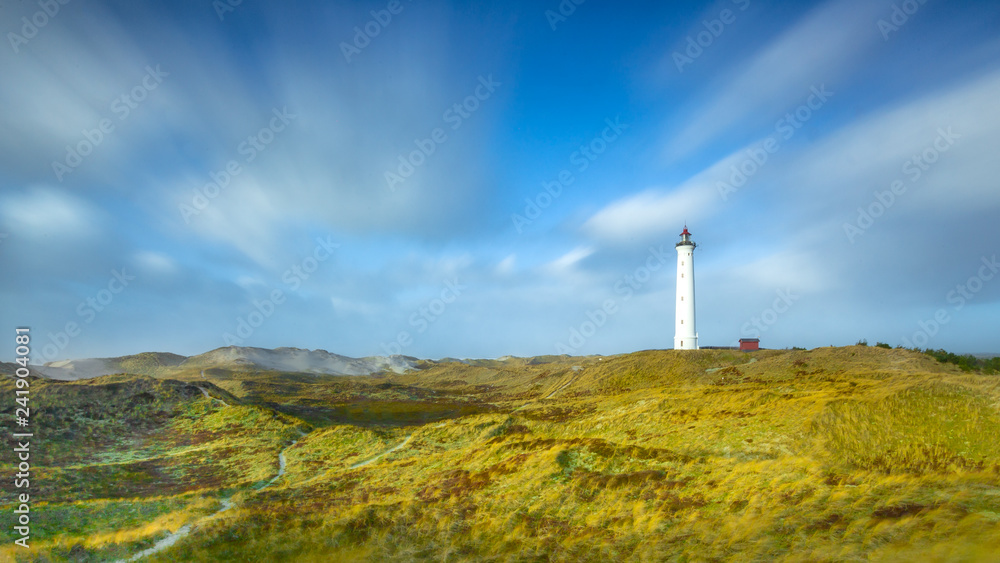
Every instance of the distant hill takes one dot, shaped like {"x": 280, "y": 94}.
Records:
{"x": 146, "y": 363}
{"x": 72, "y": 370}
{"x": 299, "y": 360}
{"x": 10, "y": 368}
{"x": 231, "y": 357}
{"x": 986, "y": 355}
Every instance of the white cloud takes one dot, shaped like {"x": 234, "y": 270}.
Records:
{"x": 506, "y": 266}
{"x": 653, "y": 212}
{"x": 648, "y": 213}
{"x": 245, "y": 216}
{"x": 50, "y": 213}
{"x": 796, "y": 270}
{"x": 250, "y": 282}
{"x": 819, "y": 49}
{"x": 566, "y": 262}
{"x": 353, "y": 306}
{"x": 155, "y": 262}
{"x": 870, "y": 153}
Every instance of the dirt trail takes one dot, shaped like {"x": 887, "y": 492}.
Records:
{"x": 281, "y": 465}
{"x": 162, "y": 544}
{"x": 209, "y": 397}
{"x": 383, "y": 454}
{"x": 572, "y": 378}
{"x": 226, "y": 505}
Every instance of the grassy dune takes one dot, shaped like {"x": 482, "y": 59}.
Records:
{"x": 832, "y": 454}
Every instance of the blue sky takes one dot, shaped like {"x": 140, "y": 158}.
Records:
{"x": 453, "y": 179}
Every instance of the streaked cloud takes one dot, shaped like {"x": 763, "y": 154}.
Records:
{"x": 823, "y": 47}
{"x": 44, "y": 213}
{"x": 321, "y": 175}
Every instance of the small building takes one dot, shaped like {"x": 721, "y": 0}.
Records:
{"x": 749, "y": 344}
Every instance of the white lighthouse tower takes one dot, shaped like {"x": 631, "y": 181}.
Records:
{"x": 685, "y": 335}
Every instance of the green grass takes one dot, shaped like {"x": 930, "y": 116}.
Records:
{"x": 832, "y": 454}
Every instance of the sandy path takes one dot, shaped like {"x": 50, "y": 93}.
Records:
{"x": 564, "y": 385}
{"x": 383, "y": 454}
{"x": 226, "y": 505}
{"x": 209, "y": 397}
{"x": 281, "y": 466}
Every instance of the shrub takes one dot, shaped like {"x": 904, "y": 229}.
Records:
{"x": 883, "y": 345}
{"x": 967, "y": 362}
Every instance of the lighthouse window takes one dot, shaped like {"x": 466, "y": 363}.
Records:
{"x": 682, "y": 262}
{"x": 682, "y": 275}
{"x": 682, "y": 321}
{"x": 682, "y": 298}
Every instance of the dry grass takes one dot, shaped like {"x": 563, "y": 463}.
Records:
{"x": 833, "y": 454}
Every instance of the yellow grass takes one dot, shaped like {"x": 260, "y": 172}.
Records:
{"x": 834, "y": 454}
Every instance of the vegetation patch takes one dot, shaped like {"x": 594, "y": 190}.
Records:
{"x": 846, "y": 454}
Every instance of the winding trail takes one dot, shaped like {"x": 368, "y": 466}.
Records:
{"x": 572, "y": 379}
{"x": 162, "y": 544}
{"x": 226, "y": 505}
{"x": 209, "y": 397}
{"x": 383, "y": 454}
{"x": 281, "y": 463}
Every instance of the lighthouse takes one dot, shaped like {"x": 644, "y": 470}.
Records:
{"x": 685, "y": 335}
